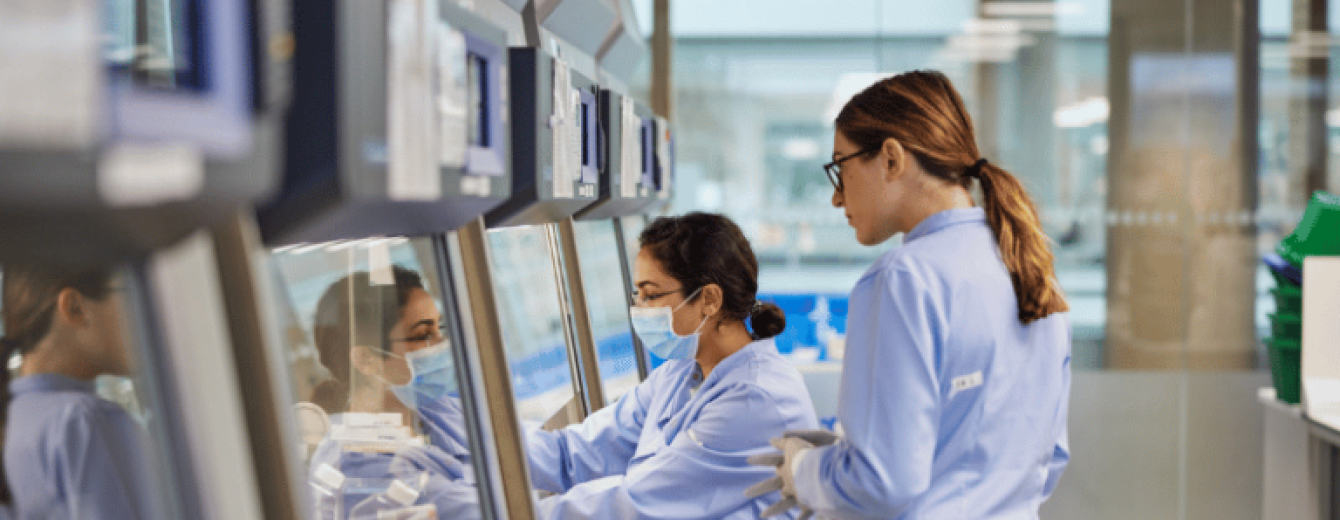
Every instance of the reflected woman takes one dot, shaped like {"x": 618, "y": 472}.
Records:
{"x": 385, "y": 351}
{"x": 68, "y": 453}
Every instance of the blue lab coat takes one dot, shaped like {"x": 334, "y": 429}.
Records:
{"x": 951, "y": 407}
{"x": 72, "y": 454}
{"x": 666, "y": 450}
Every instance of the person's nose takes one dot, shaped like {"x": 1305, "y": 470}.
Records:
{"x": 837, "y": 199}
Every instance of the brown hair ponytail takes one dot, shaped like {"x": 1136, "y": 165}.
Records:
{"x": 923, "y": 112}
{"x": 1023, "y": 246}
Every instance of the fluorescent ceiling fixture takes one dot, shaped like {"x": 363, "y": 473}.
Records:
{"x": 1037, "y": 25}
{"x": 1007, "y": 9}
{"x": 1079, "y": 115}
{"x": 1333, "y": 117}
{"x": 1310, "y": 45}
{"x": 986, "y": 41}
{"x": 989, "y": 26}
{"x": 340, "y": 245}
{"x": 800, "y": 149}
{"x": 951, "y": 55}
{"x": 306, "y": 248}
{"x": 374, "y": 242}
{"x": 848, "y": 85}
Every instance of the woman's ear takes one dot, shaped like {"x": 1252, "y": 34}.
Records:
{"x": 70, "y": 307}
{"x": 712, "y": 299}
{"x": 365, "y": 361}
{"x": 895, "y": 159}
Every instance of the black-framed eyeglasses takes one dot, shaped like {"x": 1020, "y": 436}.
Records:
{"x": 642, "y": 299}
{"x": 834, "y": 169}
{"x": 436, "y": 334}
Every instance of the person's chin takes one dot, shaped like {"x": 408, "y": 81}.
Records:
{"x": 864, "y": 238}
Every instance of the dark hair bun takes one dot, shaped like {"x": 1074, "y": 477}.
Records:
{"x": 768, "y": 321}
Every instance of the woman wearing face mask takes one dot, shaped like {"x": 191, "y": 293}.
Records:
{"x": 956, "y": 378}
{"x": 385, "y": 351}
{"x": 677, "y": 445}
{"x": 383, "y": 345}
{"x": 67, "y": 452}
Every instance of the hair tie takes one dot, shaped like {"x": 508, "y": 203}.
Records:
{"x": 756, "y": 308}
{"x": 976, "y": 169}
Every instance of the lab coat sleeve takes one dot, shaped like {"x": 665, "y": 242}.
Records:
{"x": 444, "y": 422}
{"x": 455, "y": 499}
{"x": 1060, "y": 458}
{"x": 889, "y": 403}
{"x": 601, "y": 445}
{"x": 101, "y": 464}
{"x": 1061, "y": 451}
{"x": 702, "y": 473}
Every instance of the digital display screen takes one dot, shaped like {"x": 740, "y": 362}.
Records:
{"x": 477, "y": 77}
{"x": 586, "y": 139}
{"x": 158, "y": 43}
{"x": 648, "y": 154}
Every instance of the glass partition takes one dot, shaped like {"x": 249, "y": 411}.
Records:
{"x": 89, "y": 439}
{"x": 532, "y": 321}
{"x": 598, "y": 248}
{"x": 373, "y": 371}
{"x": 632, "y": 227}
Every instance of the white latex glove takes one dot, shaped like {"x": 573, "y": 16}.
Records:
{"x": 785, "y": 482}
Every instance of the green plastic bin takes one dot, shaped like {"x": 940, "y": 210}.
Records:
{"x": 1285, "y": 365}
{"x": 1318, "y": 233}
{"x": 1286, "y": 326}
{"x": 1288, "y": 299}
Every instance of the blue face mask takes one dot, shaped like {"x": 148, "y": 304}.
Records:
{"x": 432, "y": 375}
{"x": 655, "y": 326}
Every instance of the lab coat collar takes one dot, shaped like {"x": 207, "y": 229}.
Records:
{"x": 671, "y": 424}
{"x": 945, "y": 219}
{"x": 739, "y": 358}
{"x": 49, "y": 383}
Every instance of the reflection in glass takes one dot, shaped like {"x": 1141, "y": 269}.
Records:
{"x": 532, "y": 321}
{"x": 378, "y": 403}
{"x": 82, "y": 447}
{"x": 598, "y": 248}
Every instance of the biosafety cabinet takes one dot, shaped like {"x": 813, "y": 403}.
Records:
{"x": 555, "y": 159}
{"x": 662, "y": 140}
{"x": 132, "y": 133}
{"x": 630, "y": 180}
{"x": 401, "y": 128}
{"x": 121, "y": 136}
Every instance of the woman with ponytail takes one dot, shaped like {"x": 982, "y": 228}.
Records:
{"x": 956, "y": 378}
{"x": 67, "y": 452}
{"x": 677, "y": 445}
